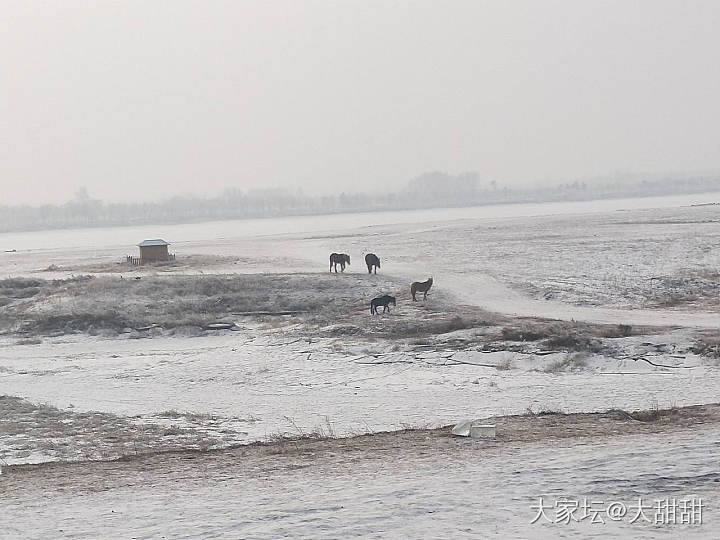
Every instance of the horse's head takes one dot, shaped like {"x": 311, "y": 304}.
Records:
{"x": 347, "y": 258}
{"x": 392, "y": 301}
{"x": 430, "y": 280}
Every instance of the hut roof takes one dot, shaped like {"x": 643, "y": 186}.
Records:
{"x": 154, "y": 242}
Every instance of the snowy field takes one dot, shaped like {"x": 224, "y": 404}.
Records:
{"x": 652, "y": 261}
{"x": 640, "y": 262}
{"x": 235, "y": 392}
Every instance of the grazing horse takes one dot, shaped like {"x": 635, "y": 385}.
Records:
{"x": 339, "y": 258}
{"x": 421, "y": 286}
{"x": 383, "y": 301}
{"x": 372, "y": 260}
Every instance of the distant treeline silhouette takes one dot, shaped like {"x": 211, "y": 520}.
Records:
{"x": 429, "y": 190}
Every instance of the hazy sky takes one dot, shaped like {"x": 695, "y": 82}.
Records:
{"x": 142, "y": 99}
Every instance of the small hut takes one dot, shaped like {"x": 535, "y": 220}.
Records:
{"x": 154, "y": 250}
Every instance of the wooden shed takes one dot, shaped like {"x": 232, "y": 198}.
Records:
{"x": 154, "y": 250}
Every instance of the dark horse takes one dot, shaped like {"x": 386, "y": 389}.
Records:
{"x": 383, "y": 301}
{"x": 339, "y": 258}
{"x": 372, "y": 260}
{"x": 420, "y": 286}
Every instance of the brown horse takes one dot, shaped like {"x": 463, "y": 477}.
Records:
{"x": 420, "y": 286}
{"x": 372, "y": 260}
{"x": 339, "y": 258}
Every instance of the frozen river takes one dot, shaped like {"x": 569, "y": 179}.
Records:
{"x": 125, "y": 238}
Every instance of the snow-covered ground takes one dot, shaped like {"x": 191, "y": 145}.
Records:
{"x": 253, "y": 390}
{"x": 389, "y": 490}
{"x": 642, "y": 266}
{"x": 656, "y": 265}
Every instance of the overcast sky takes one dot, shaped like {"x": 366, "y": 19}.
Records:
{"x": 143, "y": 99}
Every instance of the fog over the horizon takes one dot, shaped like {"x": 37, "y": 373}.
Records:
{"x": 138, "y": 100}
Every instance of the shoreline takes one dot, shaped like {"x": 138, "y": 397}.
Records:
{"x": 543, "y": 426}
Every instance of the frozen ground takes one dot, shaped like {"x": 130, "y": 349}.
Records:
{"x": 644, "y": 266}
{"x": 243, "y": 392}
{"x": 639, "y": 267}
{"x": 653, "y": 267}
{"x": 402, "y": 485}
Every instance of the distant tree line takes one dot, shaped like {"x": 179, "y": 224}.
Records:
{"x": 433, "y": 189}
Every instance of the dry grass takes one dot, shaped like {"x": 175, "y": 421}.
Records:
{"x": 322, "y": 431}
{"x": 187, "y": 415}
{"x": 13, "y": 290}
{"x": 700, "y": 287}
{"x": 182, "y": 263}
{"x": 568, "y": 339}
{"x": 523, "y": 332}
{"x": 570, "y": 361}
{"x": 326, "y": 305}
{"x": 674, "y": 300}
{"x": 653, "y": 414}
{"x": 407, "y": 321}
{"x": 538, "y": 329}
{"x": 708, "y": 345}
{"x": 95, "y": 305}
{"x": 569, "y": 336}
{"x": 195, "y": 417}
{"x": 28, "y": 341}
{"x": 425, "y": 324}
{"x": 619, "y": 331}
{"x": 504, "y": 364}
{"x": 66, "y": 435}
